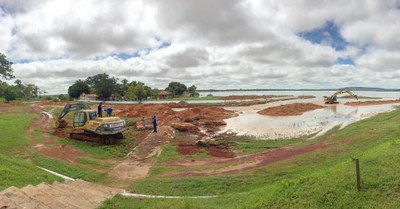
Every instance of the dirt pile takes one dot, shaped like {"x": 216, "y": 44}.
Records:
{"x": 62, "y": 133}
{"x": 164, "y": 113}
{"x": 209, "y": 117}
{"x": 214, "y": 149}
{"x": 185, "y": 127}
{"x": 5, "y": 105}
{"x": 366, "y": 103}
{"x": 290, "y": 109}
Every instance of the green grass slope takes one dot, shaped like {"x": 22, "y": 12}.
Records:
{"x": 14, "y": 169}
{"x": 324, "y": 178}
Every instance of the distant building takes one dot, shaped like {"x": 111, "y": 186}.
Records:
{"x": 88, "y": 96}
{"x": 164, "y": 95}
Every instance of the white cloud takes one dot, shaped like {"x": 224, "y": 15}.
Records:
{"x": 213, "y": 43}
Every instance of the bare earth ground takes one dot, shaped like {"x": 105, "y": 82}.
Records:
{"x": 140, "y": 160}
{"x": 138, "y": 163}
{"x": 49, "y": 147}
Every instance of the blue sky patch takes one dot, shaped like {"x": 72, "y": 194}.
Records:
{"x": 125, "y": 56}
{"x": 164, "y": 44}
{"x": 328, "y": 34}
{"x": 25, "y": 61}
{"x": 345, "y": 61}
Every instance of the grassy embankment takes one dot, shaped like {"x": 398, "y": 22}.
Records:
{"x": 14, "y": 169}
{"x": 324, "y": 178}
{"x": 99, "y": 157}
{"x": 19, "y": 159}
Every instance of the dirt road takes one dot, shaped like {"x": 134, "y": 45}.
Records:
{"x": 138, "y": 163}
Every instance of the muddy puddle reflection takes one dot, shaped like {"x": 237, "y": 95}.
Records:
{"x": 249, "y": 122}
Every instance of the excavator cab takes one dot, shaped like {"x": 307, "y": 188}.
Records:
{"x": 81, "y": 117}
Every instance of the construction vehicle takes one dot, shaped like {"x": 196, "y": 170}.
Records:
{"x": 333, "y": 99}
{"x": 88, "y": 127}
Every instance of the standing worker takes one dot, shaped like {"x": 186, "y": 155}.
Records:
{"x": 154, "y": 124}
{"x": 144, "y": 122}
{"x": 100, "y": 110}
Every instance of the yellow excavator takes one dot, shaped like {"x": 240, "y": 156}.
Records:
{"x": 88, "y": 127}
{"x": 333, "y": 99}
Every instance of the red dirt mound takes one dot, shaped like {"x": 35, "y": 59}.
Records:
{"x": 188, "y": 149}
{"x": 290, "y": 109}
{"x": 62, "y": 133}
{"x": 185, "y": 127}
{"x": 163, "y": 112}
{"x": 365, "y": 103}
{"x": 205, "y": 113}
{"x": 209, "y": 117}
{"x": 5, "y": 105}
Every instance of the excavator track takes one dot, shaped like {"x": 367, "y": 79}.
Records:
{"x": 104, "y": 139}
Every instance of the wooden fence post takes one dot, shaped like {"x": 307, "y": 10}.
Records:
{"x": 358, "y": 174}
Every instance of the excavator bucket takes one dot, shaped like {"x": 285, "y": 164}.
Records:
{"x": 61, "y": 123}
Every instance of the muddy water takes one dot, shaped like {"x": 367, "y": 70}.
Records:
{"x": 249, "y": 122}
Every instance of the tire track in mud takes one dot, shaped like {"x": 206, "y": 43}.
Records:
{"x": 49, "y": 146}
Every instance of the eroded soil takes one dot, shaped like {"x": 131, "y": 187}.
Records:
{"x": 47, "y": 145}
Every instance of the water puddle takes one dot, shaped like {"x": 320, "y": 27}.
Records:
{"x": 179, "y": 109}
{"x": 249, "y": 122}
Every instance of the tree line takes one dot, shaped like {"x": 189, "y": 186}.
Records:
{"x": 17, "y": 91}
{"x": 103, "y": 85}
{"x": 108, "y": 88}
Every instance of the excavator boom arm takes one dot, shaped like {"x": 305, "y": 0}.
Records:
{"x": 67, "y": 108}
{"x": 332, "y": 99}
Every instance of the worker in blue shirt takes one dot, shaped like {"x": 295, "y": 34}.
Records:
{"x": 154, "y": 124}
{"x": 100, "y": 110}
{"x": 109, "y": 111}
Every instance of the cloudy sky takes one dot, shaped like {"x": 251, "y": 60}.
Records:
{"x": 209, "y": 43}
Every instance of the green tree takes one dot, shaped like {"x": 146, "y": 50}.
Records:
{"x": 122, "y": 87}
{"x": 192, "y": 91}
{"x": 6, "y": 71}
{"x": 154, "y": 93}
{"x": 10, "y": 93}
{"x": 130, "y": 92}
{"x": 103, "y": 85}
{"x": 136, "y": 92}
{"x": 3, "y": 87}
{"x": 19, "y": 89}
{"x": 78, "y": 88}
{"x": 140, "y": 92}
{"x": 176, "y": 88}
{"x": 31, "y": 91}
